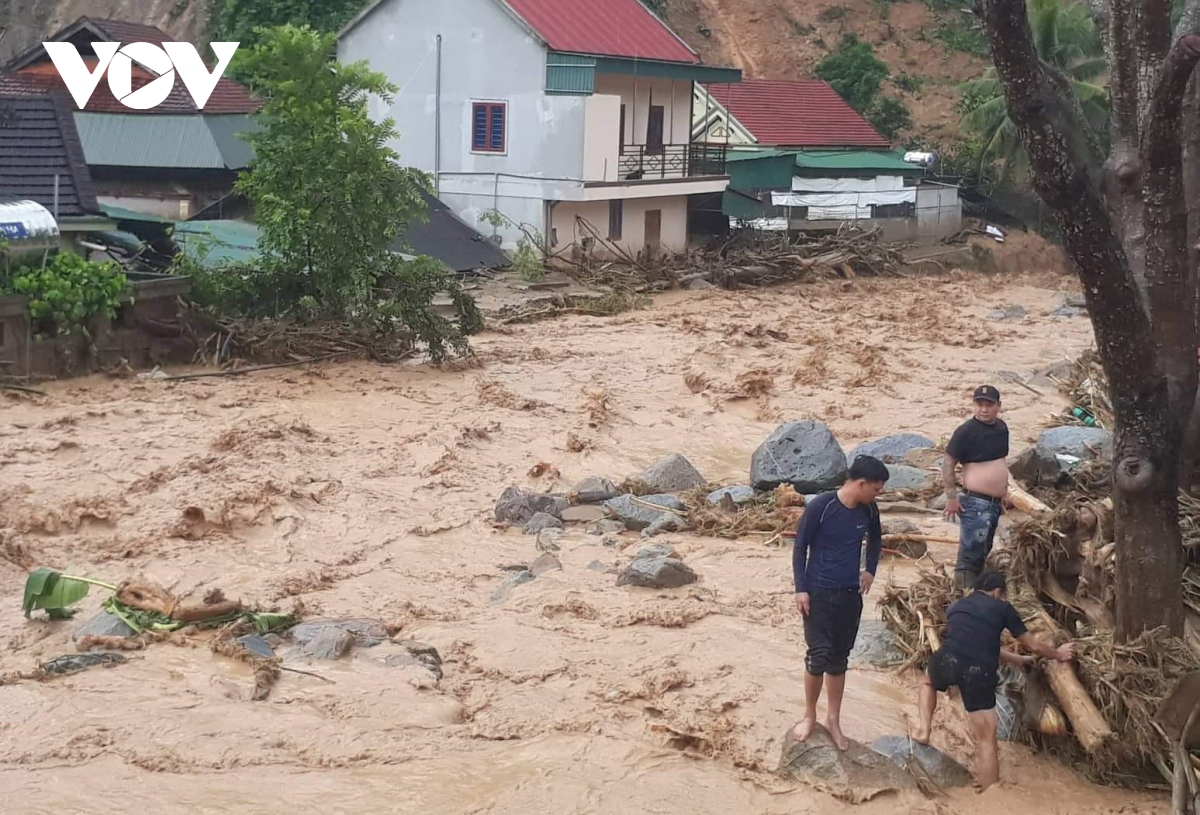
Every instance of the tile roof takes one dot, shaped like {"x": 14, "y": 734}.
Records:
{"x": 796, "y": 113}
{"x": 38, "y": 140}
{"x": 612, "y": 28}
{"x": 122, "y": 31}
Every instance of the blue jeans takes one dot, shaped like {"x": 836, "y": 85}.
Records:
{"x": 977, "y": 528}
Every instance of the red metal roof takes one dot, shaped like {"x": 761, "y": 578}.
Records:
{"x": 610, "y": 28}
{"x": 42, "y": 77}
{"x": 796, "y": 113}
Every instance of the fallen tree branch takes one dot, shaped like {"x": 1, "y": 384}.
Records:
{"x": 256, "y": 368}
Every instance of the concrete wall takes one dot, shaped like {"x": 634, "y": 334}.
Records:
{"x": 639, "y": 93}
{"x": 486, "y": 56}
{"x": 674, "y": 214}
{"x": 602, "y": 138}
{"x": 939, "y": 211}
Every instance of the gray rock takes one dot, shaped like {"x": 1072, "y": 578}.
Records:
{"x": 611, "y": 541}
{"x": 1010, "y": 312}
{"x": 1068, "y": 311}
{"x": 519, "y": 579}
{"x": 875, "y": 646}
{"x": 938, "y": 502}
{"x": 698, "y": 284}
{"x": 891, "y": 449}
{"x": 549, "y": 540}
{"x": 657, "y": 573}
{"x": 897, "y": 526}
{"x": 855, "y": 776}
{"x": 635, "y": 514}
{"x": 1024, "y": 467}
{"x": 331, "y": 639}
{"x": 943, "y": 770}
{"x": 257, "y": 646}
{"x": 903, "y": 477}
{"x": 514, "y": 567}
{"x": 672, "y": 473}
{"x": 542, "y": 521}
{"x": 104, "y": 624}
{"x": 667, "y": 522}
{"x": 1075, "y": 301}
{"x": 584, "y": 513}
{"x": 804, "y": 454}
{"x": 657, "y": 550}
{"x": 594, "y": 490}
{"x": 518, "y": 506}
{"x": 1061, "y": 449}
{"x": 608, "y": 526}
{"x": 423, "y": 653}
{"x": 598, "y": 566}
{"x": 739, "y": 494}
{"x": 545, "y": 562}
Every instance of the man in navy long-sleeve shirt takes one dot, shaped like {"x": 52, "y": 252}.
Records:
{"x": 830, "y": 586}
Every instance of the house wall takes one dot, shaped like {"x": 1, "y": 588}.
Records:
{"x": 176, "y": 194}
{"x": 939, "y": 210}
{"x": 486, "y": 56}
{"x": 674, "y": 230}
{"x": 639, "y": 93}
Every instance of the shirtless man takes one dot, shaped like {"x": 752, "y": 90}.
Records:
{"x": 981, "y": 445}
{"x": 969, "y": 660}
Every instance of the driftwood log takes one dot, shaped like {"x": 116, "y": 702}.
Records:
{"x": 1086, "y": 720}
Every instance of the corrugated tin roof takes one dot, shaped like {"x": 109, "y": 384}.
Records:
{"x": 613, "y": 28}
{"x": 855, "y": 160}
{"x": 217, "y": 243}
{"x": 38, "y": 140}
{"x": 801, "y": 113}
{"x": 189, "y": 141}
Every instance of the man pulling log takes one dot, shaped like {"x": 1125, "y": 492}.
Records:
{"x": 980, "y": 445}
{"x": 830, "y": 586}
{"x": 969, "y": 659}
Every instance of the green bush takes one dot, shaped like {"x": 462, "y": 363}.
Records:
{"x": 854, "y": 72}
{"x": 967, "y": 39}
{"x": 69, "y": 292}
{"x": 889, "y": 116}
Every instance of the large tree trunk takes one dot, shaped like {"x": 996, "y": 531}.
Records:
{"x": 1130, "y": 254}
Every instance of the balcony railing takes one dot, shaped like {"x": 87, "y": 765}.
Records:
{"x": 641, "y": 162}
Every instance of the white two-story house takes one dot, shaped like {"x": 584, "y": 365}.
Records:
{"x": 571, "y": 119}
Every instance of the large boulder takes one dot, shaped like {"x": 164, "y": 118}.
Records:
{"x": 941, "y": 769}
{"x": 518, "y": 506}
{"x": 667, "y": 522}
{"x": 891, "y": 449}
{"x": 636, "y": 515}
{"x": 672, "y": 473}
{"x": 594, "y": 490}
{"x": 804, "y": 454}
{"x": 875, "y": 646}
{"x": 657, "y": 573}
{"x": 1060, "y": 450}
{"x": 903, "y": 477}
{"x": 506, "y": 588}
{"x": 856, "y": 775}
{"x": 545, "y": 562}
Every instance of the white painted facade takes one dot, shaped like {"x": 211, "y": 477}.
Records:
{"x": 558, "y": 148}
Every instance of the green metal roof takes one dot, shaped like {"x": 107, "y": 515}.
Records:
{"x": 844, "y": 161}
{"x": 217, "y": 243}
{"x": 165, "y": 141}
{"x": 122, "y": 214}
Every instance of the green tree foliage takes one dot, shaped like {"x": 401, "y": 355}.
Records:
{"x": 659, "y": 7}
{"x": 238, "y": 20}
{"x": 1069, "y": 46}
{"x": 889, "y": 116}
{"x": 854, "y": 72}
{"x": 857, "y": 74}
{"x": 330, "y": 197}
{"x": 66, "y": 294}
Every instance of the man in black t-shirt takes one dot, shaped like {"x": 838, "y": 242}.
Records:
{"x": 969, "y": 659}
{"x": 980, "y": 445}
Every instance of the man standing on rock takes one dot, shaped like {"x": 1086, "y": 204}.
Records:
{"x": 830, "y": 586}
{"x": 969, "y": 660}
{"x": 980, "y": 445}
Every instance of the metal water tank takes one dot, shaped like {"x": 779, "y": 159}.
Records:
{"x": 28, "y": 227}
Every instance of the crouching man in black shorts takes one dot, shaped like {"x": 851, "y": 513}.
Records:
{"x": 830, "y": 584}
{"x": 969, "y": 659}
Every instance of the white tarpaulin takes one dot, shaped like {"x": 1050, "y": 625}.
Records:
{"x": 844, "y": 199}
{"x": 762, "y": 224}
{"x": 881, "y": 182}
{"x": 838, "y": 213}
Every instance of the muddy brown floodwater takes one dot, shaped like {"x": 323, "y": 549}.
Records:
{"x": 366, "y": 490}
